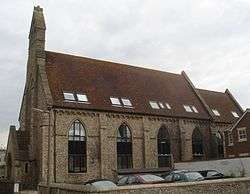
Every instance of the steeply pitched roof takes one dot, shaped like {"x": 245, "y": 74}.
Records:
{"x": 101, "y": 79}
{"x": 223, "y": 103}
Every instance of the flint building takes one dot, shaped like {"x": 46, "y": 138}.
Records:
{"x": 84, "y": 118}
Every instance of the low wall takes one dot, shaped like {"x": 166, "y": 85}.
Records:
{"x": 226, "y": 186}
{"x": 237, "y": 167}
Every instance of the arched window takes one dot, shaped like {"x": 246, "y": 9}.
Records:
{"x": 124, "y": 148}
{"x": 164, "y": 150}
{"x": 77, "y": 148}
{"x": 197, "y": 144}
{"x": 219, "y": 143}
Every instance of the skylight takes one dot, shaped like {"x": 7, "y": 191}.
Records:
{"x": 115, "y": 101}
{"x": 168, "y": 106}
{"x": 194, "y": 109}
{"x": 69, "y": 96}
{"x": 187, "y": 108}
{"x": 216, "y": 112}
{"x": 161, "y": 105}
{"x": 82, "y": 97}
{"x": 126, "y": 102}
{"x": 154, "y": 105}
{"x": 235, "y": 114}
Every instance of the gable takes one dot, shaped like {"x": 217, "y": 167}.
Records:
{"x": 100, "y": 80}
{"x": 223, "y": 103}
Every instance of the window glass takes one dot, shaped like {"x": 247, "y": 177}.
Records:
{"x": 77, "y": 148}
{"x": 161, "y": 105}
{"x": 69, "y": 96}
{"x": 82, "y": 97}
{"x": 242, "y": 134}
{"x": 194, "y": 109}
{"x": 167, "y": 105}
{"x": 216, "y": 112}
{"x": 187, "y": 108}
{"x": 126, "y": 102}
{"x": 115, "y": 101}
{"x": 235, "y": 114}
{"x": 154, "y": 105}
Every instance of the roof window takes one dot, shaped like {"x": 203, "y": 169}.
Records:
{"x": 168, "y": 106}
{"x": 69, "y": 96}
{"x": 235, "y": 114}
{"x": 216, "y": 112}
{"x": 154, "y": 105}
{"x": 187, "y": 108}
{"x": 82, "y": 97}
{"x": 195, "y": 109}
{"x": 115, "y": 101}
{"x": 126, "y": 102}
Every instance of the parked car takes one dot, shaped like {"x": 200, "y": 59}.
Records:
{"x": 212, "y": 174}
{"x": 183, "y": 176}
{"x": 140, "y": 179}
{"x": 100, "y": 184}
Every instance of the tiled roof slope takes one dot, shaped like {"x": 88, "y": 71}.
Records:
{"x": 221, "y": 102}
{"x": 244, "y": 121}
{"x": 101, "y": 79}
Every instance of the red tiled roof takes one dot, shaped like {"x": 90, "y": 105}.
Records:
{"x": 101, "y": 79}
{"x": 221, "y": 102}
{"x": 244, "y": 121}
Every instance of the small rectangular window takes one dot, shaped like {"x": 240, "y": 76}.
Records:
{"x": 115, "y": 101}
{"x": 82, "y": 97}
{"x": 216, "y": 112}
{"x": 194, "y": 109}
{"x": 187, "y": 108}
{"x": 126, "y": 102}
{"x": 168, "y": 106}
{"x": 161, "y": 105}
{"x": 69, "y": 96}
{"x": 242, "y": 134}
{"x": 154, "y": 105}
{"x": 235, "y": 114}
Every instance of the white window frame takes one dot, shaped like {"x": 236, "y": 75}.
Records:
{"x": 216, "y": 112}
{"x": 168, "y": 106}
{"x": 242, "y": 137}
{"x": 235, "y": 114}
{"x": 161, "y": 105}
{"x": 82, "y": 98}
{"x": 126, "y": 102}
{"x": 115, "y": 101}
{"x": 230, "y": 139}
{"x": 154, "y": 105}
{"x": 65, "y": 94}
{"x": 195, "y": 109}
{"x": 187, "y": 108}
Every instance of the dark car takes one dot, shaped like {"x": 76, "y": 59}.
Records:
{"x": 140, "y": 179}
{"x": 100, "y": 184}
{"x": 183, "y": 176}
{"x": 212, "y": 174}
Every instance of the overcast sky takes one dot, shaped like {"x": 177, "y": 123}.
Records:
{"x": 209, "y": 39}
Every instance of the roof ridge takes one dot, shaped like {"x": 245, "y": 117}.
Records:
{"x": 112, "y": 62}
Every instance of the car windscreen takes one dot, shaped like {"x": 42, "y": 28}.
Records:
{"x": 193, "y": 176}
{"x": 151, "y": 178}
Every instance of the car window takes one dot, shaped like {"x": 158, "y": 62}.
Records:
{"x": 132, "y": 180}
{"x": 193, "y": 176}
{"x": 177, "y": 177}
{"x": 169, "y": 177}
{"x": 151, "y": 178}
{"x": 212, "y": 173}
{"x": 123, "y": 181}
